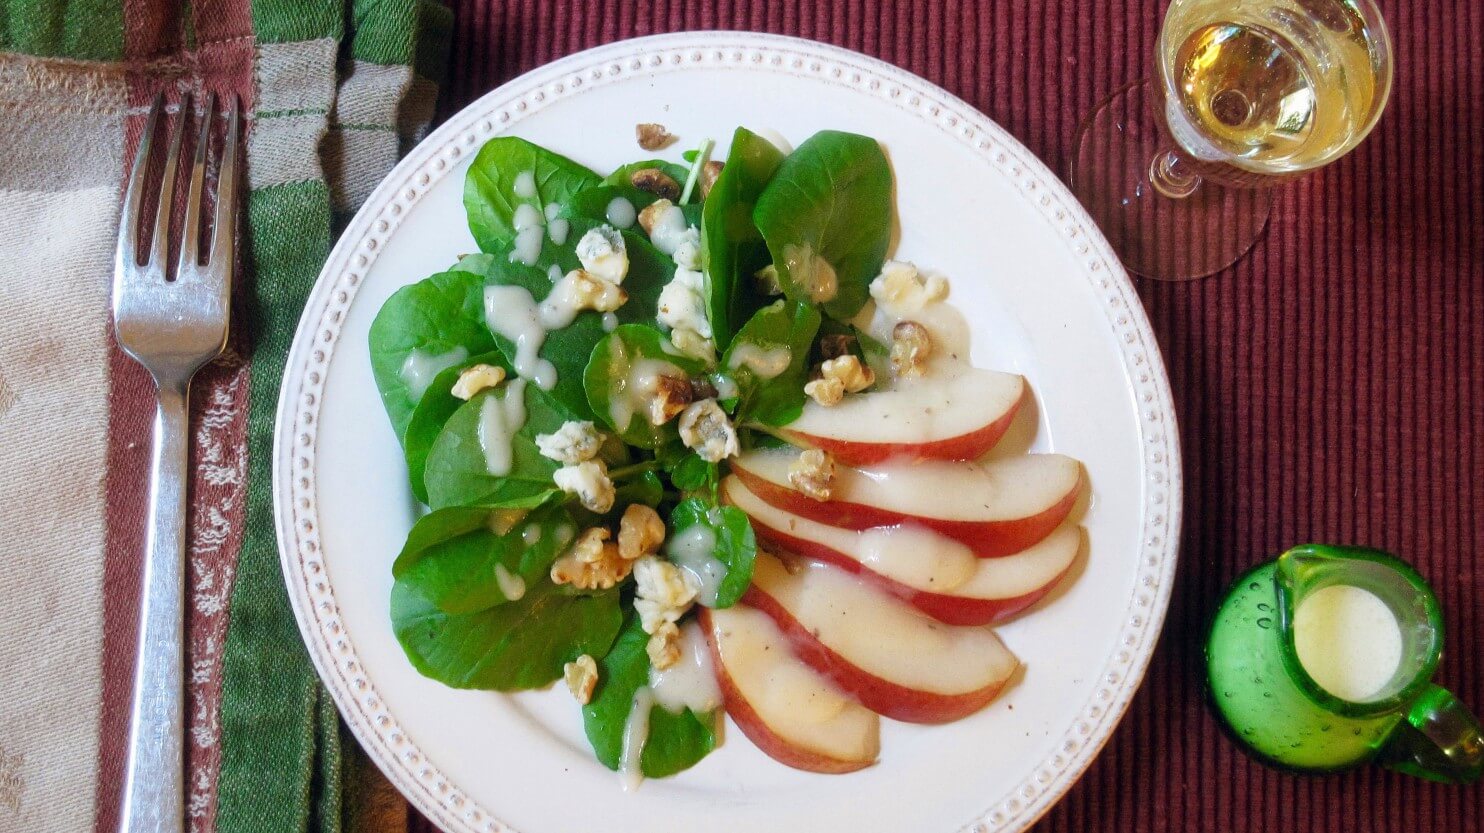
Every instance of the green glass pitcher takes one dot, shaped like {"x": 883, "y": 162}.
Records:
{"x": 1322, "y": 660}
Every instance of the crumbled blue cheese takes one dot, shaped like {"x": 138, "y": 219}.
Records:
{"x": 705, "y": 429}
{"x": 589, "y": 481}
{"x": 603, "y": 253}
{"x": 575, "y": 442}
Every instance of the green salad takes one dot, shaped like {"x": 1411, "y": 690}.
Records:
{"x": 568, "y": 398}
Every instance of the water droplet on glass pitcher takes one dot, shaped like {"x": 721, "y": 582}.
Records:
{"x": 1325, "y": 728}
{"x": 1254, "y": 586}
{"x": 1249, "y": 731}
{"x": 1267, "y": 694}
{"x": 1264, "y": 606}
{"x": 1226, "y": 694}
{"x": 1264, "y": 623}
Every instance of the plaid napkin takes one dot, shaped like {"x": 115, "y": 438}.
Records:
{"x": 335, "y": 92}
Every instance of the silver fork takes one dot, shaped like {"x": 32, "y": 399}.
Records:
{"x": 172, "y": 327}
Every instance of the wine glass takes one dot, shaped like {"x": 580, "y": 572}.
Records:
{"x": 1178, "y": 170}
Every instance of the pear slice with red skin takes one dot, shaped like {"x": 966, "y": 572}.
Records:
{"x": 790, "y": 712}
{"x": 996, "y": 507}
{"x": 985, "y": 591}
{"x": 957, "y": 418}
{"x": 893, "y": 659}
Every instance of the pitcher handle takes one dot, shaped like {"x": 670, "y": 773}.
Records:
{"x": 1440, "y": 740}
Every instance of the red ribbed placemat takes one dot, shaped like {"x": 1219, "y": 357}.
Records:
{"x": 1330, "y": 386}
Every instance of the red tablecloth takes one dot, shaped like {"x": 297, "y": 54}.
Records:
{"x": 1330, "y": 386}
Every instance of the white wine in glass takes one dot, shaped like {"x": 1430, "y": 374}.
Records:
{"x": 1177, "y": 170}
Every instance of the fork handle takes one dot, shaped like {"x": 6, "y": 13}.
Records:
{"x": 153, "y": 781}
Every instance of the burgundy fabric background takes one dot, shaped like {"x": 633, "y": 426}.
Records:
{"x": 1330, "y": 386}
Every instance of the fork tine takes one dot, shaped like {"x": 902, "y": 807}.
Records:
{"x": 159, "y": 252}
{"x": 190, "y": 239}
{"x": 223, "y": 234}
{"x": 128, "y": 250}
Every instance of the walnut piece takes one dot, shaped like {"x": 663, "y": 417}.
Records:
{"x": 910, "y": 347}
{"x": 826, "y": 392}
{"x": 709, "y": 172}
{"x": 671, "y": 396}
{"x": 640, "y": 532}
{"x": 650, "y": 214}
{"x": 652, "y": 136}
{"x": 656, "y": 182}
{"x": 813, "y": 474}
{"x": 705, "y": 429}
{"x": 581, "y": 676}
{"x": 476, "y": 378}
{"x": 900, "y": 289}
{"x": 573, "y": 443}
{"x": 589, "y": 481}
{"x": 592, "y": 562}
{"x": 664, "y": 646}
{"x": 584, "y": 290}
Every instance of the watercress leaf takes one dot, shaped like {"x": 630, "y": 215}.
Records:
{"x": 623, "y": 175}
{"x": 735, "y": 547}
{"x": 569, "y": 347}
{"x": 781, "y": 331}
{"x": 616, "y": 375}
{"x": 732, "y": 248}
{"x": 457, "y": 474}
{"x": 451, "y": 555}
{"x": 489, "y": 188}
{"x": 433, "y": 410}
{"x": 826, "y": 216}
{"x": 436, "y": 322}
{"x": 646, "y": 489}
{"x": 676, "y": 741}
{"x": 691, "y": 473}
{"x": 509, "y": 647}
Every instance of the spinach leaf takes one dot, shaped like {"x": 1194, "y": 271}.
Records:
{"x": 568, "y": 348}
{"x": 508, "y": 647}
{"x": 437, "y": 318}
{"x": 451, "y": 555}
{"x": 784, "y": 325}
{"x": 621, "y": 176}
{"x": 828, "y": 209}
{"x": 676, "y": 741}
{"x": 732, "y": 248}
{"x": 618, "y": 362}
{"x": 433, "y": 410}
{"x": 735, "y": 547}
{"x": 489, "y": 188}
{"x": 456, "y": 472}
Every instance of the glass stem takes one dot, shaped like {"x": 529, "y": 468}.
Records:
{"x": 1171, "y": 177}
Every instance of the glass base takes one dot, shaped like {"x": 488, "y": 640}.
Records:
{"x": 1163, "y": 221}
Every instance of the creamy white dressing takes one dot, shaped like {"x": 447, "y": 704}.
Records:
{"x": 554, "y": 272}
{"x": 527, "y": 248}
{"x": 610, "y": 322}
{"x": 669, "y": 230}
{"x": 638, "y": 384}
{"x": 883, "y": 635}
{"x": 525, "y": 185}
{"x": 1348, "y": 640}
{"x": 726, "y": 386}
{"x": 511, "y": 585}
{"x": 691, "y": 682}
{"x": 635, "y": 735}
{"x": 558, "y": 230}
{"x": 566, "y": 299}
{"x": 692, "y": 550}
{"x": 564, "y": 533}
{"x": 531, "y": 535}
{"x": 917, "y": 557}
{"x": 932, "y": 408}
{"x": 812, "y": 272}
{"x": 526, "y": 216}
{"x": 946, "y": 326}
{"x": 420, "y": 368}
{"x": 620, "y": 212}
{"x": 764, "y": 363}
{"x": 551, "y": 210}
{"x": 501, "y": 521}
{"x": 510, "y": 311}
{"x": 499, "y": 420}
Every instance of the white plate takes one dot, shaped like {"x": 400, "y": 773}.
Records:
{"x": 1047, "y": 298}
